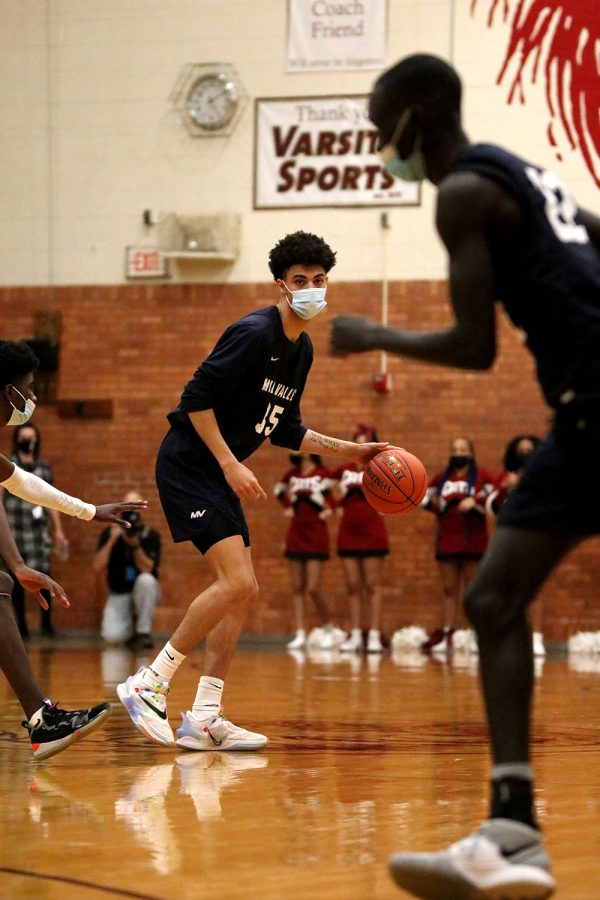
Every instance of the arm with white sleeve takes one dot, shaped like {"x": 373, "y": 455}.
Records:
{"x": 33, "y": 489}
{"x": 29, "y": 487}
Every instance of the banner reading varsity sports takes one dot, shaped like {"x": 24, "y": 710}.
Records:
{"x": 321, "y": 151}
{"x": 328, "y": 35}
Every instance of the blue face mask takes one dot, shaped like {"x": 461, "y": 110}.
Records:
{"x": 413, "y": 167}
{"x": 308, "y": 302}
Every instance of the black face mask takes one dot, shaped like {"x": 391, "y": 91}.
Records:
{"x": 26, "y": 445}
{"x": 521, "y": 458}
{"x": 459, "y": 462}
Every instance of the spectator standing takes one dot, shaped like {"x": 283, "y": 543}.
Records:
{"x": 130, "y": 560}
{"x": 35, "y": 528}
{"x": 362, "y": 544}
{"x": 458, "y": 498}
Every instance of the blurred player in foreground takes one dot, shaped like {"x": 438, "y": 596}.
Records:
{"x": 515, "y": 235}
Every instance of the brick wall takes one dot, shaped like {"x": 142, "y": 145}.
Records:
{"x": 138, "y": 344}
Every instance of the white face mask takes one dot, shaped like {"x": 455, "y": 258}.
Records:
{"x": 20, "y": 417}
{"x": 308, "y": 302}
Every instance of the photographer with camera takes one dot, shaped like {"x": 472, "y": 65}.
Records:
{"x": 129, "y": 560}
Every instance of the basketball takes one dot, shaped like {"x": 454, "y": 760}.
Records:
{"x": 395, "y": 481}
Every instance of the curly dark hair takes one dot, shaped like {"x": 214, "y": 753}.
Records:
{"x": 300, "y": 249}
{"x": 16, "y": 360}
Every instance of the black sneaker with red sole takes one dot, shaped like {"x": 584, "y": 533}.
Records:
{"x": 58, "y": 728}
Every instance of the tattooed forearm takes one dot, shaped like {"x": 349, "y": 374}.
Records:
{"x": 332, "y": 445}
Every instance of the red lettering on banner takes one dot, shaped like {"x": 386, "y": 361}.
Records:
{"x": 281, "y": 146}
{"x": 346, "y": 178}
{"x": 350, "y": 179}
{"x": 303, "y": 145}
{"x": 325, "y": 143}
{"x": 306, "y": 176}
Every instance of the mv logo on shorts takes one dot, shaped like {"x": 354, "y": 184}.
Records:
{"x": 197, "y": 514}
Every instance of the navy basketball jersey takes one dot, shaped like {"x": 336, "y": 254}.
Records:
{"x": 548, "y": 279}
{"x": 253, "y": 380}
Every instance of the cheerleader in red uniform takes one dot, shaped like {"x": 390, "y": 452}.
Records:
{"x": 362, "y": 542}
{"x": 305, "y": 492}
{"x": 458, "y": 497}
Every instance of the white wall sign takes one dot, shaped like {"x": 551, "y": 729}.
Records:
{"x": 328, "y": 35}
{"x": 321, "y": 151}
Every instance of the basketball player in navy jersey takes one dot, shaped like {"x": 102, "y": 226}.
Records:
{"x": 514, "y": 235}
{"x": 248, "y": 389}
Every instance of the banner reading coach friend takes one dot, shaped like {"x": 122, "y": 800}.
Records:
{"x": 321, "y": 151}
{"x": 329, "y": 35}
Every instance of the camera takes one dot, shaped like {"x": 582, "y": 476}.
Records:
{"x": 133, "y": 517}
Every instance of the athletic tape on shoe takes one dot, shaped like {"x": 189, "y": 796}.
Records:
{"x": 35, "y": 490}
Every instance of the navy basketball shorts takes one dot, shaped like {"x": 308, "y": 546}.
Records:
{"x": 198, "y": 505}
{"x": 559, "y": 490}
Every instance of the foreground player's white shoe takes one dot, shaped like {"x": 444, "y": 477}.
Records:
{"x": 502, "y": 860}
{"x": 147, "y": 706}
{"x": 216, "y": 734}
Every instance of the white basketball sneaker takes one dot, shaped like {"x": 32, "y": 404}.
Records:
{"x": 144, "y": 696}
{"x": 374, "y": 644}
{"x": 502, "y": 860}
{"x": 298, "y": 642}
{"x": 216, "y": 734}
{"x": 353, "y": 644}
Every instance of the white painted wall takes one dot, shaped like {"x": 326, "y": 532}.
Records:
{"x": 89, "y": 138}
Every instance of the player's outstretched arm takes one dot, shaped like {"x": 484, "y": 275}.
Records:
{"x": 465, "y": 204}
{"x": 313, "y": 442}
{"x": 31, "y": 580}
{"x": 35, "y": 490}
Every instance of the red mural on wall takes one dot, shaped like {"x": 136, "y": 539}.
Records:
{"x": 558, "y": 40}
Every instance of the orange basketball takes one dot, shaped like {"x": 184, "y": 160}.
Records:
{"x": 395, "y": 481}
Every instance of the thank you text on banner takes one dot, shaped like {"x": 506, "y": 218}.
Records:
{"x": 321, "y": 151}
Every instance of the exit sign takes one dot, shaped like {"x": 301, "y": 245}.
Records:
{"x": 145, "y": 262}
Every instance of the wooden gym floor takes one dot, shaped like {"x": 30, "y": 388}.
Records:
{"x": 367, "y": 756}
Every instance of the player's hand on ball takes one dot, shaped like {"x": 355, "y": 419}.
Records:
{"x": 363, "y": 453}
{"x": 243, "y": 482}
{"x": 353, "y": 334}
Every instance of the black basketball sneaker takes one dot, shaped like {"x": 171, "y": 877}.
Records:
{"x": 57, "y": 728}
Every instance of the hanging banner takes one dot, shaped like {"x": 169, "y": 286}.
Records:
{"x": 325, "y": 35}
{"x": 321, "y": 151}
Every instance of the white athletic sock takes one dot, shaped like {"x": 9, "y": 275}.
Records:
{"x": 167, "y": 662}
{"x": 208, "y": 697}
